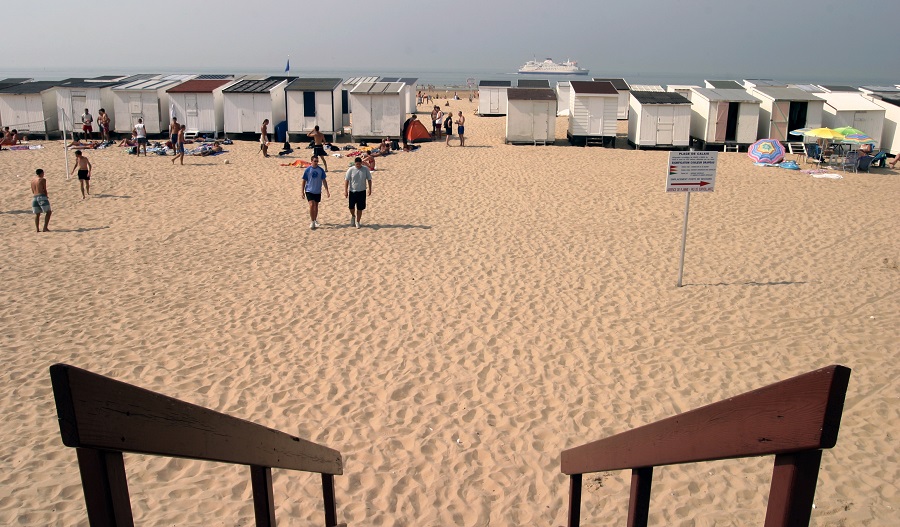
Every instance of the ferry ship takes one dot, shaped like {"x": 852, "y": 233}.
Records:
{"x": 547, "y": 66}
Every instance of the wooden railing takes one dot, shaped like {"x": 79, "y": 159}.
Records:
{"x": 102, "y": 418}
{"x": 792, "y": 420}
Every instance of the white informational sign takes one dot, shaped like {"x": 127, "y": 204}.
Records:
{"x": 691, "y": 171}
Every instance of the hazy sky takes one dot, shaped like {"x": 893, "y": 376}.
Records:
{"x": 795, "y": 39}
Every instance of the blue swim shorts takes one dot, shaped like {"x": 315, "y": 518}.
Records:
{"x": 40, "y": 203}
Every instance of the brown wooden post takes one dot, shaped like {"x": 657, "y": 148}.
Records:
{"x": 793, "y": 488}
{"x": 574, "y": 500}
{"x": 105, "y": 488}
{"x": 263, "y": 496}
{"x": 328, "y": 498}
{"x": 639, "y": 503}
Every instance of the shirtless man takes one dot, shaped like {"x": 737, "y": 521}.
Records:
{"x": 87, "y": 124}
{"x": 461, "y": 128}
{"x": 5, "y": 138}
{"x": 39, "y": 201}
{"x": 318, "y": 148}
{"x": 83, "y": 165}
{"x": 174, "y": 128}
{"x": 103, "y": 121}
{"x": 179, "y": 145}
{"x": 264, "y": 138}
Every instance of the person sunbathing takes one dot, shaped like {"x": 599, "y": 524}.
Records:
{"x": 382, "y": 150}
{"x": 129, "y": 141}
{"x": 208, "y": 150}
{"x": 369, "y": 161}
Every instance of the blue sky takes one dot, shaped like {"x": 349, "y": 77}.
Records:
{"x": 815, "y": 40}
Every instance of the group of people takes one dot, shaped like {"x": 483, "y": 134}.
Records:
{"x": 10, "y": 137}
{"x": 438, "y": 119}
{"x": 87, "y": 124}
{"x": 356, "y": 181}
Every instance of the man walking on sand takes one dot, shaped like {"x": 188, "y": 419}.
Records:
{"x": 314, "y": 180}
{"x": 179, "y": 145}
{"x": 264, "y": 138}
{"x": 174, "y": 128}
{"x": 39, "y": 201}
{"x": 358, "y": 176}
{"x": 319, "y": 146}
{"x": 83, "y": 165}
{"x": 461, "y": 128}
{"x": 140, "y": 135}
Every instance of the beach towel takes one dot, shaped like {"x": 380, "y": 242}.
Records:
{"x": 298, "y": 163}
{"x": 24, "y": 147}
{"x": 828, "y": 176}
{"x": 790, "y": 165}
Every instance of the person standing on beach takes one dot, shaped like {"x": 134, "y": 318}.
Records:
{"x": 83, "y": 165}
{"x": 319, "y": 146}
{"x": 437, "y": 120}
{"x": 103, "y": 121}
{"x": 87, "y": 126}
{"x": 314, "y": 180}
{"x": 174, "y": 128}
{"x": 179, "y": 145}
{"x": 448, "y": 126}
{"x": 140, "y": 134}
{"x": 264, "y": 138}
{"x": 461, "y": 128}
{"x": 40, "y": 202}
{"x": 404, "y": 129}
{"x": 358, "y": 176}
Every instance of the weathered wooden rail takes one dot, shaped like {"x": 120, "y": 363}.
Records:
{"x": 102, "y": 418}
{"x": 792, "y": 420}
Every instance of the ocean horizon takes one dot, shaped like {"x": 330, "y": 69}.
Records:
{"x": 438, "y": 77}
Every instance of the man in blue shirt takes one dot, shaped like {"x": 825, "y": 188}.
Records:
{"x": 314, "y": 178}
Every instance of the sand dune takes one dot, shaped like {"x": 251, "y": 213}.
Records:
{"x": 500, "y": 304}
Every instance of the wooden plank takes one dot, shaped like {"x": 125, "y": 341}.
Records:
{"x": 101, "y": 413}
{"x": 793, "y": 489}
{"x": 105, "y": 488}
{"x": 263, "y": 496}
{"x": 801, "y": 413}
{"x": 639, "y": 503}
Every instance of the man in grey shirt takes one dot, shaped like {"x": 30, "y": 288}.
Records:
{"x": 358, "y": 176}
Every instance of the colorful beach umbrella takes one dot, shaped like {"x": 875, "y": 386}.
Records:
{"x": 800, "y": 131}
{"x": 858, "y": 139}
{"x": 824, "y": 133}
{"x": 849, "y": 130}
{"x": 766, "y": 151}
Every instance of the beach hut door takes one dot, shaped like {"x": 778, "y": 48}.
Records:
{"x": 377, "y": 115}
{"x": 495, "y": 101}
{"x": 781, "y": 110}
{"x": 665, "y": 125}
{"x": 19, "y": 108}
{"x": 135, "y": 107}
{"x": 191, "y": 112}
{"x": 721, "y": 121}
{"x": 541, "y": 123}
{"x": 595, "y": 115}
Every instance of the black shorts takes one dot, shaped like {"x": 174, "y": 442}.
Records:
{"x": 83, "y": 174}
{"x": 319, "y": 151}
{"x": 358, "y": 200}
{"x": 314, "y": 197}
{"x": 142, "y": 140}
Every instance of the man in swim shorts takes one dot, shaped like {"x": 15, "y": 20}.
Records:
{"x": 264, "y": 138}
{"x": 87, "y": 127}
{"x": 319, "y": 146}
{"x": 179, "y": 145}
{"x": 174, "y": 128}
{"x": 83, "y": 165}
{"x": 358, "y": 176}
{"x": 314, "y": 179}
{"x": 103, "y": 121}
{"x": 461, "y": 128}
{"x": 39, "y": 201}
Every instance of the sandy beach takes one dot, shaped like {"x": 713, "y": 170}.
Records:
{"x": 500, "y": 304}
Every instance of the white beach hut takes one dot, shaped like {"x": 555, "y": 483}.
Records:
{"x": 563, "y": 92}
{"x": 853, "y": 109}
{"x": 531, "y": 116}
{"x": 348, "y": 86}
{"x": 74, "y": 95}
{"x": 492, "y": 97}
{"x": 721, "y": 117}
{"x": 681, "y": 89}
{"x": 624, "y": 91}
{"x": 593, "y": 109}
{"x": 659, "y": 119}
{"x": 144, "y": 99}
{"x": 30, "y": 107}
{"x": 409, "y": 91}
{"x": 314, "y": 102}
{"x": 200, "y": 105}
{"x": 783, "y": 109}
{"x": 890, "y": 133}
{"x": 248, "y": 102}
{"x": 378, "y": 110}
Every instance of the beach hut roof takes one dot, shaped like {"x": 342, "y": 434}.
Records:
{"x": 787, "y": 94}
{"x": 108, "y": 78}
{"x": 844, "y": 101}
{"x": 837, "y": 88}
{"x": 656, "y": 97}
{"x": 29, "y": 87}
{"x": 533, "y": 83}
{"x": 178, "y": 77}
{"x": 647, "y": 87}
{"x": 215, "y": 77}
{"x": 376, "y": 88}
{"x": 728, "y": 94}
{"x": 15, "y": 80}
{"x": 323, "y": 84}
{"x": 811, "y": 88}
{"x": 530, "y": 94}
{"x": 198, "y": 86}
{"x": 353, "y": 81}
{"x": 148, "y": 84}
{"x": 725, "y": 85}
{"x": 409, "y": 81}
{"x": 495, "y": 84}
{"x": 620, "y": 84}
{"x": 766, "y": 82}
{"x": 881, "y": 89}
{"x": 889, "y": 97}
{"x": 254, "y": 86}
{"x": 86, "y": 83}
{"x": 598, "y": 87}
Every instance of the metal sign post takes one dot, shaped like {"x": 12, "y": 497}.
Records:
{"x": 690, "y": 172}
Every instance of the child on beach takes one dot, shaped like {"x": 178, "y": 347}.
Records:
{"x": 84, "y": 168}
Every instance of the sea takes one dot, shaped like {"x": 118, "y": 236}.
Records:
{"x": 456, "y": 79}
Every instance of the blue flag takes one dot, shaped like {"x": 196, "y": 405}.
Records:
{"x": 287, "y": 67}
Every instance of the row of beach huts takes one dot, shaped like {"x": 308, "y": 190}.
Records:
{"x": 211, "y": 104}
{"x": 723, "y": 115}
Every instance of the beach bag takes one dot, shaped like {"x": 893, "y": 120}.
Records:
{"x": 395, "y": 145}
